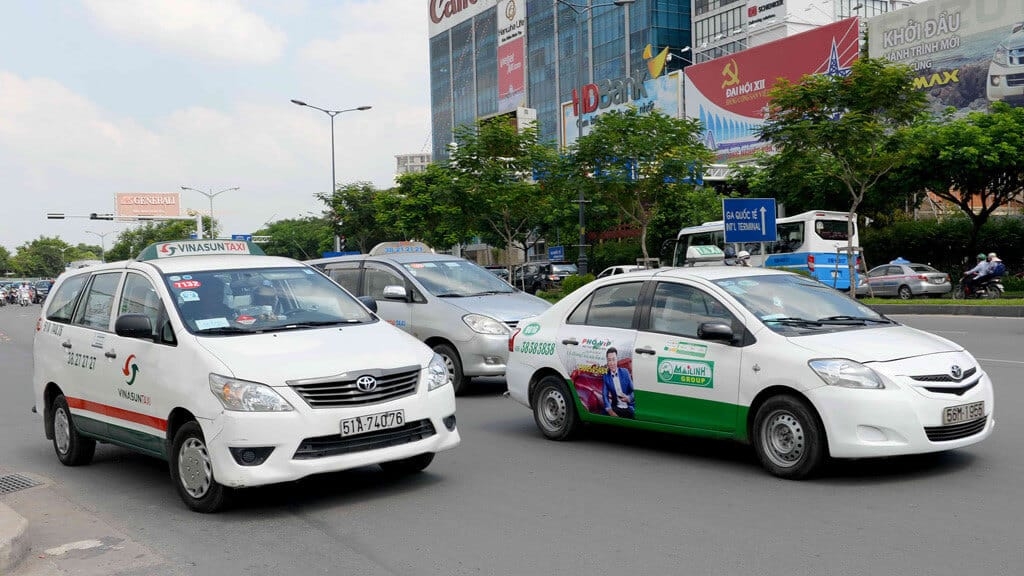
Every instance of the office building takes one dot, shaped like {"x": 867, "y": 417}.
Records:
{"x": 411, "y": 163}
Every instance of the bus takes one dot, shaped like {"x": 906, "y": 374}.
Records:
{"x": 814, "y": 242}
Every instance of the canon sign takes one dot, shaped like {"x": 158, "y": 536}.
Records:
{"x": 447, "y": 13}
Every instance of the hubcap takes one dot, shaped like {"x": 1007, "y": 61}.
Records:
{"x": 195, "y": 468}
{"x": 61, "y": 431}
{"x": 552, "y": 410}
{"x": 783, "y": 440}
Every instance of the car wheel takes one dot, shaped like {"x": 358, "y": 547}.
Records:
{"x": 554, "y": 409}
{"x": 192, "y": 471}
{"x": 904, "y": 293}
{"x": 410, "y": 465}
{"x": 72, "y": 448}
{"x": 787, "y": 438}
{"x": 451, "y": 359}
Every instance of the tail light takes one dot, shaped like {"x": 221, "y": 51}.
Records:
{"x": 922, "y": 277}
{"x": 39, "y": 324}
{"x": 553, "y": 277}
{"x": 512, "y": 340}
{"x": 810, "y": 262}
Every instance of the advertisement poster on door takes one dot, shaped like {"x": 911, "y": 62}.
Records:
{"x": 511, "y": 55}
{"x": 965, "y": 53}
{"x": 729, "y": 94}
{"x": 601, "y": 370}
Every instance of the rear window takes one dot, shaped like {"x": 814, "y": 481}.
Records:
{"x": 922, "y": 268}
{"x": 831, "y": 229}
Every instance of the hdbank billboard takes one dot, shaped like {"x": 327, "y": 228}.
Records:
{"x": 966, "y": 53}
{"x": 729, "y": 94}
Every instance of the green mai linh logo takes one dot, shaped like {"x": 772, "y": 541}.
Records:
{"x": 686, "y": 372}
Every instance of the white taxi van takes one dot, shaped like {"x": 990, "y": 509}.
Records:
{"x": 239, "y": 369}
{"x": 790, "y": 365}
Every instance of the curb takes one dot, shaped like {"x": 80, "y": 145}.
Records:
{"x": 13, "y": 538}
{"x": 961, "y": 310}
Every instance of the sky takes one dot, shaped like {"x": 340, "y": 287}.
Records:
{"x": 105, "y": 96}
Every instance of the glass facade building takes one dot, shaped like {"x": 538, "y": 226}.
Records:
{"x": 565, "y": 40}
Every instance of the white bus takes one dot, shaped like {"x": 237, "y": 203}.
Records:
{"x": 814, "y": 242}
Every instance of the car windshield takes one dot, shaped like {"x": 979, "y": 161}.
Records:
{"x": 795, "y": 305}
{"x": 457, "y": 278}
{"x": 564, "y": 269}
{"x": 226, "y": 302}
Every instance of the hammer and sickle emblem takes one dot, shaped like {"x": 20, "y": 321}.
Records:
{"x": 732, "y": 74}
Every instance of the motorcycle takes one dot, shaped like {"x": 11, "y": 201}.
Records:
{"x": 24, "y": 299}
{"x": 990, "y": 289}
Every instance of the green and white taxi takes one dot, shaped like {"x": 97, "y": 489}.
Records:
{"x": 762, "y": 356}
{"x": 239, "y": 369}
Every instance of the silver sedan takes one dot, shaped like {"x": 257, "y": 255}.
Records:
{"x": 904, "y": 281}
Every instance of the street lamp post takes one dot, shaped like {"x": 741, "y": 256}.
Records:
{"x": 581, "y": 262}
{"x": 103, "y": 244}
{"x": 211, "y": 195}
{"x": 332, "y": 114}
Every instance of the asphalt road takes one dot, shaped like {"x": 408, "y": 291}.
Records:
{"x": 509, "y": 502}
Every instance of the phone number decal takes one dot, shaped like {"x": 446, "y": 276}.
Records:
{"x": 81, "y": 361}
{"x": 539, "y": 348}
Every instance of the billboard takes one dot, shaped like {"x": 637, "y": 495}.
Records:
{"x": 759, "y": 11}
{"x": 444, "y": 14}
{"x": 511, "y": 54}
{"x": 147, "y": 204}
{"x": 729, "y": 94}
{"x": 966, "y": 53}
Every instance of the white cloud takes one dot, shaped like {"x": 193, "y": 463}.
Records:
{"x": 222, "y": 29}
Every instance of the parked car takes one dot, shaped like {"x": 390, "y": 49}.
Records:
{"x": 42, "y": 290}
{"x": 613, "y": 270}
{"x": 904, "y": 281}
{"x": 499, "y": 271}
{"x": 535, "y": 276}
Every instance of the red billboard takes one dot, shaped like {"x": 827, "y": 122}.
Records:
{"x": 729, "y": 94}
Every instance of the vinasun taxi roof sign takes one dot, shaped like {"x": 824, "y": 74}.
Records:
{"x": 199, "y": 248}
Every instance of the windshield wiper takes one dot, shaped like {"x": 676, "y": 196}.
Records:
{"x": 490, "y": 292}
{"x": 224, "y": 330}
{"x": 844, "y": 319}
{"x": 792, "y": 321}
{"x": 450, "y": 295}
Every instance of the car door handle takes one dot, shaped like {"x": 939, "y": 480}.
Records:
{"x": 644, "y": 351}
{"x": 570, "y": 342}
{"x": 66, "y": 344}
{"x": 110, "y": 354}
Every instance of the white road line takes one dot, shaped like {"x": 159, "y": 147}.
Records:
{"x": 997, "y": 360}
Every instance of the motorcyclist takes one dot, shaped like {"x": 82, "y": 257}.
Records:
{"x": 743, "y": 258}
{"x": 24, "y": 293}
{"x": 994, "y": 269}
{"x": 971, "y": 276}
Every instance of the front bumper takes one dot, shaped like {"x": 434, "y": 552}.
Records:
{"x": 1004, "y": 82}
{"x": 286, "y": 432}
{"x": 893, "y": 422}
{"x": 484, "y": 355}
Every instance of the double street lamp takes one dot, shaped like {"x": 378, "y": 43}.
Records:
{"x": 580, "y": 10}
{"x": 211, "y": 195}
{"x": 103, "y": 244}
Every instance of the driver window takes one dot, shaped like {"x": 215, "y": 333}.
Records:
{"x": 376, "y": 277}
{"x": 98, "y": 304}
{"x": 139, "y": 297}
{"x": 680, "y": 310}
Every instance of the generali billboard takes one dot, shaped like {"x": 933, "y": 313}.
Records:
{"x": 966, "y": 53}
{"x": 729, "y": 94}
{"x": 147, "y": 204}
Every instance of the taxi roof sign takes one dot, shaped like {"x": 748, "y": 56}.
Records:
{"x": 402, "y": 247}
{"x": 179, "y": 248}
{"x": 704, "y": 253}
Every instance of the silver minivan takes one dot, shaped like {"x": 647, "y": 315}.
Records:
{"x": 455, "y": 306}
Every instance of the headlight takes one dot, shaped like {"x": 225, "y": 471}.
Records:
{"x": 485, "y": 324}
{"x": 242, "y": 396}
{"x": 437, "y": 373}
{"x": 1002, "y": 56}
{"x": 846, "y": 373}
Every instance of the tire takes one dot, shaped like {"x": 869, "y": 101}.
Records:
{"x": 992, "y": 293}
{"x": 451, "y": 359}
{"x": 958, "y": 292}
{"x": 72, "y": 448}
{"x": 904, "y": 293}
{"x": 788, "y": 439}
{"x": 410, "y": 465}
{"x": 554, "y": 409}
{"x": 192, "y": 471}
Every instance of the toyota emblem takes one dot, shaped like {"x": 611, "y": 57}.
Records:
{"x": 956, "y": 372}
{"x": 366, "y": 383}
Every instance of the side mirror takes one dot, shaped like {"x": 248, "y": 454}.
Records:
{"x": 395, "y": 292}
{"x": 134, "y": 326}
{"x": 369, "y": 302}
{"x": 719, "y": 331}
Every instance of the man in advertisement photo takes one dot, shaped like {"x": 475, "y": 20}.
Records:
{"x": 618, "y": 387}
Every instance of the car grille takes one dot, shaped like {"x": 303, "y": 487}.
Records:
{"x": 1014, "y": 80}
{"x": 335, "y": 444}
{"x": 944, "y": 377}
{"x": 512, "y": 324}
{"x": 329, "y": 393}
{"x": 955, "y": 431}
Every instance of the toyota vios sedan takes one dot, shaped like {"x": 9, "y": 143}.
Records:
{"x": 762, "y": 356}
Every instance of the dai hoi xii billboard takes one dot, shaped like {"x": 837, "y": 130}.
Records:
{"x": 965, "y": 53}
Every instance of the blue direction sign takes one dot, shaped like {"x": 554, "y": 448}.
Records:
{"x": 245, "y": 237}
{"x": 556, "y": 253}
{"x": 749, "y": 219}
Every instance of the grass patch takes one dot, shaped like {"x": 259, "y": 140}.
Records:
{"x": 944, "y": 302}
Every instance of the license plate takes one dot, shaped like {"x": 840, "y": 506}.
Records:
{"x": 372, "y": 422}
{"x": 963, "y": 413}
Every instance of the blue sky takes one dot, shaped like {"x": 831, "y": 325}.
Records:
{"x": 106, "y": 96}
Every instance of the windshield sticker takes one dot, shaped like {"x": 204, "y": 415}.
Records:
{"x": 699, "y": 373}
{"x": 308, "y": 271}
{"x": 681, "y": 348}
{"x": 453, "y": 264}
{"x": 186, "y": 277}
{"x": 416, "y": 265}
{"x": 245, "y": 319}
{"x": 777, "y": 301}
{"x": 747, "y": 283}
{"x": 175, "y": 278}
{"x": 735, "y": 290}
{"x": 189, "y": 296}
{"x": 207, "y": 323}
{"x": 187, "y": 284}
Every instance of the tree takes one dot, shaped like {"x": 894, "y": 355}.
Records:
{"x": 351, "y": 209}
{"x": 976, "y": 161}
{"x": 639, "y": 161}
{"x": 42, "y": 257}
{"x": 845, "y": 126}
{"x": 298, "y": 238}
{"x": 493, "y": 165}
{"x": 131, "y": 241}
{"x": 427, "y": 206}
{"x": 5, "y": 261}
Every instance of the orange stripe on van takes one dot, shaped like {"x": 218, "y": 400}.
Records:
{"x": 119, "y": 413}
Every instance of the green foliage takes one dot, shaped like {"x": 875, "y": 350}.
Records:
{"x": 300, "y": 238}
{"x": 351, "y": 211}
{"x": 615, "y": 252}
{"x": 43, "y": 257}
{"x": 427, "y": 206}
{"x": 571, "y": 283}
{"x": 5, "y": 260}
{"x": 130, "y": 242}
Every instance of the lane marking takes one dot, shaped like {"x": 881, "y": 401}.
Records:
{"x": 997, "y": 360}
{"x": 80, "y": 545}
